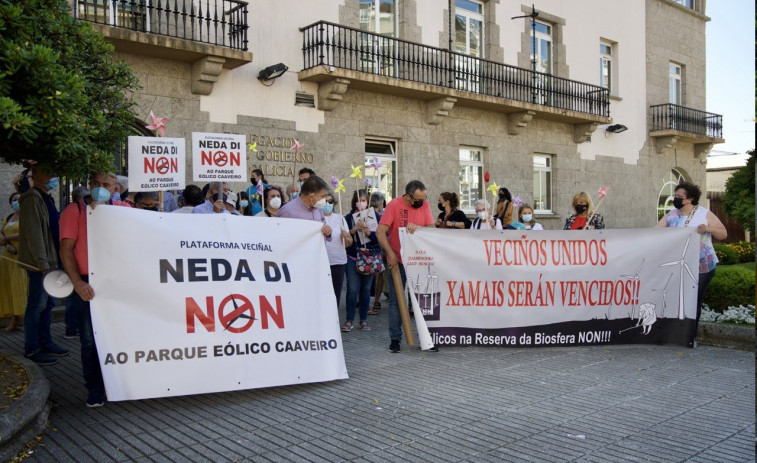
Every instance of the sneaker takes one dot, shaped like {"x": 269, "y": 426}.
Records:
{"x": 432, "y": 349}
{"x": 54, "y": 350}
{"x": 95, "y": 399}
{"x": 71, "y": 334}
{"x": 394, "y": 346}
{"x": 41, "y": 359}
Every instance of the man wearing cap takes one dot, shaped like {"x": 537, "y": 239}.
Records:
{"x": 231, "y": 204}
{"x": 75, "y": 256}
{"x": 38, "y": 250}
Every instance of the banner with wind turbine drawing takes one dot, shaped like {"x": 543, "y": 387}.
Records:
{"x": 525, "y": 288}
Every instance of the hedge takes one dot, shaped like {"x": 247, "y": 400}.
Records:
{"x": 732, "y": 286}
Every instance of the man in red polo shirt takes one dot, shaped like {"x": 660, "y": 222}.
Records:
{"x": 411, "y": 211}
{"x": 73, "y": 253}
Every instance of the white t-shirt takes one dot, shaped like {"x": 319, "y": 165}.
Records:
{"x": 335, "y": 248}
{"x": 537, "y": 226}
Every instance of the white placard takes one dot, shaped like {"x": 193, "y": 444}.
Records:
{"x": 194, "y": 303}
{"x": 219, "y": 156}
{"x": 157, "y": 163}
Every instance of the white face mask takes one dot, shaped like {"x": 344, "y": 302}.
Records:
{"x": 320, "y": 203}
{"x": 362, "y": 205}
{"x": 275, "y": 202}
{"x": 482, "y": 215}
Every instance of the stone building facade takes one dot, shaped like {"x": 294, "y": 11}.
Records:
{"x": 485, "y": 101}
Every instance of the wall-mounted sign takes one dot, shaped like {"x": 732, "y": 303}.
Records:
{"x": 276, "y": 158}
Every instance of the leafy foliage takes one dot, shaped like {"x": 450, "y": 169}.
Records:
{"x": 733, "y": 285}
{"x": 726, "y": 254}
{"x": 738, "y": 200}
{"x": 63, "y": 97}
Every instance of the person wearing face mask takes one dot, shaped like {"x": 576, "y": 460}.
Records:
{"x": 256, "y": 190}
{"x": 450, "y": 216}
{"x": 74, "y": 254}
{"x": 504, "y": 211}
{"x": 146, "y": 200}
{"x": 584, "y": 208}
{"x": 273, "y": 202}
{"x": 335, "y": 248}
{"x": 689, "y": 214}
{"x": 243, "y": 201}
{"x": 484, "y": 220}
{"x": 38, "y": 249}
{"x": 13, "y": 280}
{"x": 191, "y": 197}
{"x": 308, "y": 204}
{"x": 378, "y": 203}
{"x": 410, "y": 211}
{"x": 362, "y": 224}
{"x": 526, "y": 217}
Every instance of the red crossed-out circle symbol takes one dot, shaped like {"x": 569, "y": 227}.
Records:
{"x": 162, "y": 165}
{"x": 220, "y": 159}
{"x": 241, "y": 309}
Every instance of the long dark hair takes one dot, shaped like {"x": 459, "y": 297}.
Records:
{"x": 260, "y": 173}
{"x": 357, "y": 194}
{"x": 454, "y": 201}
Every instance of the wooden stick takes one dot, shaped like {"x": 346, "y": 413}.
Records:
{"x": 160, "y": 200}
{"x": 399, "y": 293}
{"x": 594, "y": 212}
{"x": 339, "y": 195}
{"x": 21, "y": 263}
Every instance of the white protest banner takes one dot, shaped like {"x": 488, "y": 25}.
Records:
{"x": 156, "y": 163}
{"x": 194, "y": 303}
{"x": 537, "y": 288}
{"x": 219, "y": 156}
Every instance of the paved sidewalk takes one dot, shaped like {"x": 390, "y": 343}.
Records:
{"x": 473, "y": 404}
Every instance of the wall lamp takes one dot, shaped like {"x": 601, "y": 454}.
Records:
{"x": 616, "y": 128}
{"x": 272, "y": 72}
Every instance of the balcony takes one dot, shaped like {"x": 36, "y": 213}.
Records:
{"x": 338, "y": 57}
{"x": 210, "y": 34}
{"x": 670, "y": 123}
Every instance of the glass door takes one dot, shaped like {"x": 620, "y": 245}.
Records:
{"x": 469, "y": 39}
{"x": 378, "y": 17}
{"x": 541, "y": 54}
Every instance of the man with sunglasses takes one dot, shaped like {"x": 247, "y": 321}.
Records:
{"x": 412, "y": 211}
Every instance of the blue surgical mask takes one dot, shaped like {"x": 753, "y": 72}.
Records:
{"x": 52, "y": 184}
{"x": 244, "y": 203}
{"x": 294, "y": 194}
{"x": 15, "y": 205}
{"x": 527, "y": 217}
{"x": 327, "y": 208}
{"x": 100, "y": 194}
{"x": 116, "y": 195}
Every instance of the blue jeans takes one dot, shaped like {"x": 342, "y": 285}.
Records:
{"x": 90, "y": 362}
{"x": 71, "y": 317}
{"x": 39, "y": 307}
{"x": 395, "y": 320}
{"x": 357, "y": 286}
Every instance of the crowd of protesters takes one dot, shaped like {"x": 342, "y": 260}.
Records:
{"x": 363, "y": 246}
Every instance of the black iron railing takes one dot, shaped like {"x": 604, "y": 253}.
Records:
{"x": 673, "y": 117}
{"x": 216, "y": 22}
{"x": 329, "y": 44}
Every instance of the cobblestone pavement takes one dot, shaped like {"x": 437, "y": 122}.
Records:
{"x": 585, "y": 404}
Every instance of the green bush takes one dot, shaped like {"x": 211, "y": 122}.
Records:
{"x": 744, "y": 250}
{"x": 726, "y": 254}
{"x": 732, "y": 285}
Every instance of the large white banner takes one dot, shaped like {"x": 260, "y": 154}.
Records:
{"x": 156, "y": 163}
{"x": 193, "y": 303}
{"x": 537, "y": 288}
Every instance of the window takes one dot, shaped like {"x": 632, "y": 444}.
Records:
{"x": 383, "y": 178}
{"x": 686, "y": 3}
{"x": 469, "y": 40}
{"x": 665, "y": 198}
{"x": 543, "y": 183}
{"x": 378, "y": 17}
{"x": 541, "y": 48}
{"x": 606, "y": 71}
{"x": 134, "y": 15}
{"x": 675, "y": 84}
{"x": 471, "y": 177}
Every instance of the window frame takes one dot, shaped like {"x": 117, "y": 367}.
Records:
{"x": 609, "y": 59}
{"x": 672, "y": 77}
{"x": 392, "y": 158}
{"x": 549, "y": 171}
{"x": 473, "y": 164}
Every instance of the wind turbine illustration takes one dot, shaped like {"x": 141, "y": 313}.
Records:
{"x": 664, "y": 292}
{"x": 634, "y": 277}
{"x": 682, "y": 264}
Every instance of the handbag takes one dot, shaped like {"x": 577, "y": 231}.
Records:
{"x": 369, "y": 261}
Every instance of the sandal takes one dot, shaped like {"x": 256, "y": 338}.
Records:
{"x": 364, "y": 326}
{"x": 347, "y": 327}
{"x": 375, "y": 309}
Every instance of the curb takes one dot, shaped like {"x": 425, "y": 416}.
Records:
{"x": 731, "y": 337}
{"x": 26, "y": 418}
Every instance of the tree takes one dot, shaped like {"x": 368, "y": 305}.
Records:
{"x": 63, "y": 96}
{"x": 738, "y": 200}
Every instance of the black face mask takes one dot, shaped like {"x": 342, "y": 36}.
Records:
{"x": 441, "y": 208}
{"x": 580, "y": 208}
{"x": 415, "y": 204}
{"x": 502, "y": 196}
{"x": 677, "y": 203}
{"x": 154, "y": 209}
